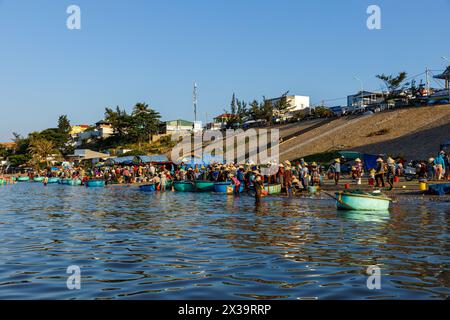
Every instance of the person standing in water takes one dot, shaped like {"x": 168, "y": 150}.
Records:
{"x": 259, "y": 187}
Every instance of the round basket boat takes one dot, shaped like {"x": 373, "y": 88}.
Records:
{"x": 148, "y": 188}
{"x": 221, "y": 187}
{"x": 53, "y": 180}
{"x": 204, "y": 186}
{"x": 183, "y": 186}
{"x": 95, "y": 183}
{"x": 73, "y": 182}
{"x": 38, "y": 179}
{"x": 23, "y": 179}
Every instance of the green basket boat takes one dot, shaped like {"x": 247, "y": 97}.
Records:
{"x": 2, "y": 181}
{"x": 38, "y": 179}
{"x": 273, "y": 188}
{"x": 183, "y": 186}
{"x": 169, "y": 184}
{"x": 204, "y": 186}
{"x": 53, "y": 180}
{"x": 362, "y": 201}
{"x": 23, "y": 179}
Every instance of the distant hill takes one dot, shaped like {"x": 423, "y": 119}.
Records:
{"x": 414, "y": 133}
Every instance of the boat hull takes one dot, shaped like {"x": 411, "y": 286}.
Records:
{"x": 38, "y": 179}
{"x": 361, "y": 202}
{"x": 23, "y": 179}
{"x": 148, "y": 188}
{"x": 95, "y": 183}
{"x": 221, "y": 187}
{"x": 73, "y": 182}
{"x": 204, "y": 186}
{"x": 183, "y": 186}
{"x": 53, "y": 180}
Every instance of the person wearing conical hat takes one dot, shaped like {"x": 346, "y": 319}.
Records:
{"x": 287, "y": 179}
{"x": 390, "y": 172}
{"x": 336, "y": 170}
{"x": 280, "y": 174}
{"x": 379, "y": 173}
{"x": 358, "y": 170}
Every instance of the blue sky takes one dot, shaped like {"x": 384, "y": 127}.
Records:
{"x": 153, "y": 51}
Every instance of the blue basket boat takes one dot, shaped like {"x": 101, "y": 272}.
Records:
{"x": 221, "y": 187}
{"x": 95, "y": 183}
{"x": 362, "y": 201}
{"x": 148, "y": 188}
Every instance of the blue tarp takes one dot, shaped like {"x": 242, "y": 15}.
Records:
{"x": 154, "y": 158}
{"x": 138, "y": 159}
{"x": 370, "y": 161}
{"x": 124, "y": 160}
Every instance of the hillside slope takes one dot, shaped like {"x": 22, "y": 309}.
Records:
{"x": 414, "y": 133}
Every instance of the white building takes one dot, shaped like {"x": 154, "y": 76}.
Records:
{"x": 295, "y": 103}
{"x": 102, "y": 130}
{"x": 365, "y": 98}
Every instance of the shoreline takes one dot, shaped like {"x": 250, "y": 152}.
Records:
{"x": 402, "y": 190}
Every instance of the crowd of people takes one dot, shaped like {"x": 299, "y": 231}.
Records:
{"x": 292, "y": 177}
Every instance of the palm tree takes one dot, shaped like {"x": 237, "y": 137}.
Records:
{"x": 40, "y": 149}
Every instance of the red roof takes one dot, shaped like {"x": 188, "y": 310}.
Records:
{"x": 8, "y": 145}
{"x": 225, "y": 116}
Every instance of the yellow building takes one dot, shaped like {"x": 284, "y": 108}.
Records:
{"x": 74, "y": 130}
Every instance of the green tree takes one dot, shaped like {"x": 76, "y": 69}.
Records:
{"x": 322, "y": 112}
{"x": 392, "y": 83}
{"x": 282, "y": 106}
{"x": 120, "y": 121}
{"x": 145, "y": 122}
{"x": 40, "y": 149}
{"x": 255, "y": 112}
{"x": 64, "y": 124}
{"x": 267, "y": 111}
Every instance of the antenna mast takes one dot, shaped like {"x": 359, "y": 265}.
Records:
{"x": 195, "y": 102}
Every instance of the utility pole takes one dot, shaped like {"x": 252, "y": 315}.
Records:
{"x": 195, "y": 102}
{"x": 447, "y": 79}
{"x": 428, "y": 81}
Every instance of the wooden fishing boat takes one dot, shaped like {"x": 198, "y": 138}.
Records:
{"x": 95, "y": 183}
{"x": 148, "y": 188}
{"x": 38, "y": 179}
{"x": 273, "y": 188}
{"x": 23, "y": 179}
{"x": 204, "y": 186}
{"x": 183, "y": 186}
{"x": 362, "y": 201}
{"x": 73, "y": 182}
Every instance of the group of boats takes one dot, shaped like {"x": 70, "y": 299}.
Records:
{"x": 345, "y": 200}
{"x": 208, "y": 186}
{"x": 54, "y": 180}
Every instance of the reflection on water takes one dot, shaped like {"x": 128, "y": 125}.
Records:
{"x": 136, "y": 245}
